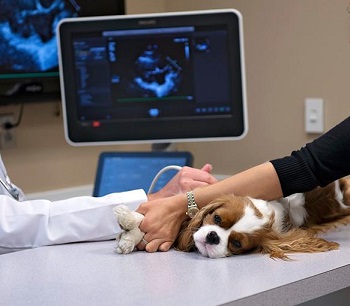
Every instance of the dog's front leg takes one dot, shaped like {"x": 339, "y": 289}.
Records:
{"x": 128, "y": 240}
{"x": 131, "y": 235}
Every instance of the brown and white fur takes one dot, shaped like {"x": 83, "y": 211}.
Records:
{"x": 232, "y": 225}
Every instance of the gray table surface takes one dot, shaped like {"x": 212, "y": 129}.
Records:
{"x": 92, "y": 274}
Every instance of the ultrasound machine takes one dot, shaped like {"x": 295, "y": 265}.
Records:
{"x": 155, "y": 78}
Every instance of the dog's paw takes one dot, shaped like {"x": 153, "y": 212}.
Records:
{"x": 127, "y": 241}
{"x": 123, "y": 244}
{"x": 126, "y": 218}
{"x": 124, "y": 247}
{"x": 131, "y": 235}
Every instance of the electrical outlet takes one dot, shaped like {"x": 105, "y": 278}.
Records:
{"x": 7, "y": 136}
{"x": 314, "y": 115}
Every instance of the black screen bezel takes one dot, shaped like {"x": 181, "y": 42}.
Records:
{"x": 234, "y": 127}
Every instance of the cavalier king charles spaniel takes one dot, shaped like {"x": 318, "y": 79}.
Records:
{"x": 233, "y": 225}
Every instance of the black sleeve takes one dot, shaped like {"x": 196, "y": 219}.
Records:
{"x": 319, "y": 163}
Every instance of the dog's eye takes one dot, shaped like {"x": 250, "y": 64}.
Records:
{"x": 236, "y": 243}
{"x": 217, "y": 219}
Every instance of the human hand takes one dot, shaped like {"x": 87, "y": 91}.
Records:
{"x": 185, "y": 180}
{"x": 166, "y": 210}
{"x": 162, "y": 222}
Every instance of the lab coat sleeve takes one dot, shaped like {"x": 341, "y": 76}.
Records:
{"x": 36, "y": 223}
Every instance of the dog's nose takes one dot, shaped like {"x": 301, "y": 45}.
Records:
{"x": 212, "y": 238}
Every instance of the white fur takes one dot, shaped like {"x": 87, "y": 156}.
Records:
{"x": 211, "y": 250}
{"x": 339, "y": 195}
{"x": 131, "y": 235}
{"x": 297, "y": 211}
{"x": 250, "y": 221}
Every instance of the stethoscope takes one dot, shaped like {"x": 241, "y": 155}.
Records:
{"x": 12, "y": 190}
{"x": 7, "y": 184}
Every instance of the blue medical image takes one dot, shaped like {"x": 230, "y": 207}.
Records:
{"x": 157, "y": 67}
{"x": 155, "y": 73}
{"x": 27, "y": 34}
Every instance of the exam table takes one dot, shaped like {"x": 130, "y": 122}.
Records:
{"x": 92, "y": 274}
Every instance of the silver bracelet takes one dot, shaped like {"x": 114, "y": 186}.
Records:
{"x": 192, "y": 207}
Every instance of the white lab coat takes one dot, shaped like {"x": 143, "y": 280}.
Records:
{"x": 35, "y": 223}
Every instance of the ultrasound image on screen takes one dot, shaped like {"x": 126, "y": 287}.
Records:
{"x": 115, "y": 71}
{"x": 155, "y": 74}
{"x": 152, "y": 69}
{"x": 27, "y": 33}
{"x": 165, "y": 72}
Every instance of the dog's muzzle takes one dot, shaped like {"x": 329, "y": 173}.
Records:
{"x": 212, "y": 238}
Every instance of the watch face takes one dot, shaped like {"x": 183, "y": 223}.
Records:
{"x": 192, "y": 211}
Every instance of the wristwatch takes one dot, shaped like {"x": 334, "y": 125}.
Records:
{"x": 192, "y": 207}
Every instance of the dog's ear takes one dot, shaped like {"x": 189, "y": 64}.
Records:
{"x": 294, "y": 241}
{"x": 184, "y": 241}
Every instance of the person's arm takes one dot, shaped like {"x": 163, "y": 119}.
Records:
{"x": 36, "y": 223}
{"x": 258, "y": 182}
{"x": 186, "y": 179}
{"x": 318, "y": 163}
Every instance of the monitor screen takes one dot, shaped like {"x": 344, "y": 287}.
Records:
{"x": 28, "y": 44}
{"x": 157, "y": 78}
{"x": 123, "y": 171}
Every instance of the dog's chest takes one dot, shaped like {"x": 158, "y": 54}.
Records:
{"x": 290, "y": 211}
{"x": 281, "y": 215}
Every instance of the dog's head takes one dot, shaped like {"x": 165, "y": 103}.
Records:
{"x": 229, "y": 225}
{"x": 233, "y": 225}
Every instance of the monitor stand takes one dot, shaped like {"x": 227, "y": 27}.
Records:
{"x": 169, "y": 146}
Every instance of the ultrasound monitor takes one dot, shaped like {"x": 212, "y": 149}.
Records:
{"x": 172, "y": 77}
{"x": 28, "y": 44}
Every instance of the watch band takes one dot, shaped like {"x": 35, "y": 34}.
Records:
{"x": 192, "y": 207}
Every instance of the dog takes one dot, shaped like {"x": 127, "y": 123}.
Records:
{"x": 234, "y": 225}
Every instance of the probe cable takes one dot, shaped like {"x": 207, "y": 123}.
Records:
{"x": 167, "y": 168}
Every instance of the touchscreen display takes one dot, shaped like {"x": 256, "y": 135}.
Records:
{"x": 160, "y": 72}
{"x": 161, "y": 77}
